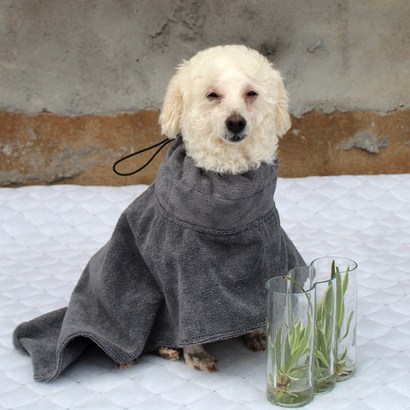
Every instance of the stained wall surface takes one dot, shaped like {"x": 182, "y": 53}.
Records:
{"x": 82, "y": 81}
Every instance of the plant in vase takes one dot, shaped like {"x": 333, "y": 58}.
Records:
{"x": 311, "y": 333}
{"x": 342, "y": 322}
{"x": 335, "y": 280}
{"x": 290, "y": 348}
{"x": 325, "y": 343}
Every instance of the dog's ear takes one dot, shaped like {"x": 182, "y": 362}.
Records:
{"x": 170, "y": 117}
{"x": 282, "y": 119}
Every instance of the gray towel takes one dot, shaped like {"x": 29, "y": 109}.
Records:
{"x": 186, "y": 264}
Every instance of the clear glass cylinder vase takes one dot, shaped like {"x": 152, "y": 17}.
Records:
{"x": 343, "y": 272}
{"x": 325, "y": 328}
{"x": 290, "y": 341}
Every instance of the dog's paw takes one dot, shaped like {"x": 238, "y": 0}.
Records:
{"x": 127, "y": 365}
{"x": 255, "y": 340}
{"x": 169, "y": 353}
{"x": 199, "y": 359}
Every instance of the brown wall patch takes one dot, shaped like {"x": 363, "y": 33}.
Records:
{"x": 47, "y": 148}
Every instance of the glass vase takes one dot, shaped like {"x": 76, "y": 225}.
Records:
{"x": 343, "y": 272}
{"x": 325, "y": 328}
{"x": 290, "y": 341}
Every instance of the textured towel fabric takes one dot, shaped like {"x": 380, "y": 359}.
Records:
{"x": 186, "y": 264}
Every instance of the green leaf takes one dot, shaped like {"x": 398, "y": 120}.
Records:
{"x": 342, "y": 357}
{"x": 293, "y": 336}
{"x": 320, "y": 312}
{"x": 346, "y": 281}
{"x": 299, "y": 372}
{"x": 327, "y": 299}
{"x": 339, "y": 304}
{"x": 320, "y": 340}
{"x": 322, "y": 349}
{"x": 299, "y": 350}
{"x": 322, "y": 359}
{"x": 333, "y": 270}
{"x": 287, "y": 359}
{"x": 348, "y": 323}
{"x": 278, "y": 348}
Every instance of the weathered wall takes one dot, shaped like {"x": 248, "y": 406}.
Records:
{"x": 103, "y": 58}
{"x": 46, "y": 148}
{"x": 107, "y": 56}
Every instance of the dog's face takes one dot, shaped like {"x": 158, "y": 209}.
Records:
{"x": 230, "y": 106}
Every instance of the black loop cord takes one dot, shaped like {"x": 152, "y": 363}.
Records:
{"x": 126, "y": 174}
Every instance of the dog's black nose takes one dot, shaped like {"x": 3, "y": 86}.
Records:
{"x": 235, "y": 123}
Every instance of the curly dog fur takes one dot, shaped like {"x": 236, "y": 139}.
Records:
{"x": 222, "y": 83}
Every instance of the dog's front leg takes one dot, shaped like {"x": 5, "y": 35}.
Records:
{"x": 256, "y": 340}
{"x": 198, "y": 358}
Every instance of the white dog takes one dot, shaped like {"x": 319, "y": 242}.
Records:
{"x": 230, "y": 106}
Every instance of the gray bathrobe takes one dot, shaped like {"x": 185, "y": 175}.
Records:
{"x": 186, "y": 264}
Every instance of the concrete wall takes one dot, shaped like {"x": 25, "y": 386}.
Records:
{"x": 106, "y": 57}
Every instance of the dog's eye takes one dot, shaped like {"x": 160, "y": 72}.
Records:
{"x": 212, "y": 96}
{"x": 252, "y": 94}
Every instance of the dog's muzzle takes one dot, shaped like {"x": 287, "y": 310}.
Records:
{"x": 235, "y": 124}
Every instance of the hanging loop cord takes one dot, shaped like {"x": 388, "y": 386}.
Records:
{"x": 126, "y": 174}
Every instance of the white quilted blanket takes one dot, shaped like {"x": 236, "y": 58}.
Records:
{"x": 47, "y": 234}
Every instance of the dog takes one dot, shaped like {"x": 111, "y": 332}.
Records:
{"x": 226, "y": 108}
{"x": 230, "y": 105}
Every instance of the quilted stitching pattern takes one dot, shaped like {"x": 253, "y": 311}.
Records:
{"x": 47, "y": 234}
